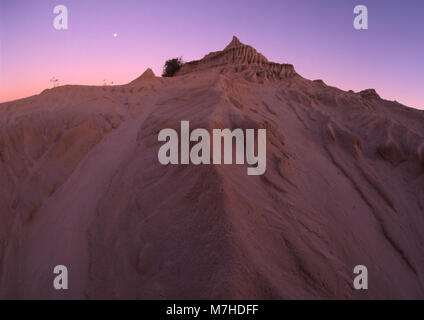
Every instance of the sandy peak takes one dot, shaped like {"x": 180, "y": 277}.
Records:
{"x": 369, "y": 93}
{"x": 235, "y": 42}
{"x": 147, "y": 75}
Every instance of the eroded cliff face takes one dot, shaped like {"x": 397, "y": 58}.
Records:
{"x": 243, "y": 60}
{"x": 81, "y": 186}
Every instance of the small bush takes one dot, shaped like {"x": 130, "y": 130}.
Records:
{"x": 172, "y": 66}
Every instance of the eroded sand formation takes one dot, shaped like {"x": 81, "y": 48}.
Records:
{"x": 81, "y": 185}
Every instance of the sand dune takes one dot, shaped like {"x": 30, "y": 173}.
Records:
{"x": 81, "y": 185}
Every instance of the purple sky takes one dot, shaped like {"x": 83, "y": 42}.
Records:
{"x": 316, "y": 36}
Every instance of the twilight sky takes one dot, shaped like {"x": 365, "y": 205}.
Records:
{"x": 317, "y": 36}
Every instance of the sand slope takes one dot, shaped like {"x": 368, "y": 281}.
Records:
{"x": 81, "y": 185}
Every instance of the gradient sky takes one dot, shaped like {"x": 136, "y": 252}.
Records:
{"x": 317, "y": 36}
